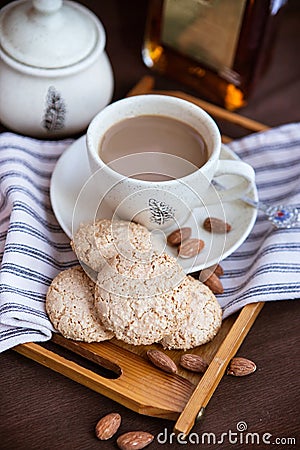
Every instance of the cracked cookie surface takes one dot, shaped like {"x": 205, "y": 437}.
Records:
{"x": 70, "y": 307}
{"x": 203, "y": 320}
{"x": 141, "y": 302}
{"x": 97, "y": 241}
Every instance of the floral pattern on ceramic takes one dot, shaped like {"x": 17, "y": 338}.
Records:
{"x": 55, "y": 113}
{"x": 160, "y": 212}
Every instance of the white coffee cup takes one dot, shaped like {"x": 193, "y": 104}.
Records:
{"x": 162, "y": 202}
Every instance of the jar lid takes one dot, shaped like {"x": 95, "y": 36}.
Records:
{"x": 48, "y": 34}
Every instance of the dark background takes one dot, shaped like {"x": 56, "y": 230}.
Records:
{"x": 41, "y": 409}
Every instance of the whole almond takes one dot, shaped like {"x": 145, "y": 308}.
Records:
{"x": 206, "y": 273}
{"x": 218, "y": 270}
{"x": 179, "y": 235}
{"x": 107, "y": 426}
{"x": 240, "y": 367}
{"x": 194, "y": 363}
{"x": 215, "y": 225}
{"x": 162, "y": 361}
{"x": 212, "y": 281}
{"x": 190, "y": 247}
{"x": 134, "y": 440}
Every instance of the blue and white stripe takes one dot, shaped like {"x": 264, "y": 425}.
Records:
{"x": 33, "y": 248}
{"x": 267, "y": 266}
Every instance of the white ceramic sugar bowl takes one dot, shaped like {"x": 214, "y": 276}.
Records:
{"x": 54, "y": 72}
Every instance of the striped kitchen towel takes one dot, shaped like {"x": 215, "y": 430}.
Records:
{"x": 266, "y": 266}
{"x": 34, "y": 248}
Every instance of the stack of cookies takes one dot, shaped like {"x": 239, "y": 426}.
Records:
{"x": 137, "y": 294}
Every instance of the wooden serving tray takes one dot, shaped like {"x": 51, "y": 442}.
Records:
{"x": 130, "y": 379}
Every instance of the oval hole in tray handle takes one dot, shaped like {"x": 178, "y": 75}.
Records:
{"x": 141, "y": 387}
{"x": 73, "y": 351}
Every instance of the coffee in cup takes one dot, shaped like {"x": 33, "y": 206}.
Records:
{"x": 155, "y": 135}
{"x": 153, "y": 158}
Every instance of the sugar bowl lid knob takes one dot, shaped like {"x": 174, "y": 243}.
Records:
{"x": 47, "y": 6}
{"x": 49, "y": 34}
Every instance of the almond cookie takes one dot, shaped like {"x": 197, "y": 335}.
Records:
{"x": 141, "y": 302}
{"x": 203, "y": 320}
{"x": 70, "y": 307}
{"x": 97, "y": 241}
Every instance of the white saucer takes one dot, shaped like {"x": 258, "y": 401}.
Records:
{"x": 72, "y": 205}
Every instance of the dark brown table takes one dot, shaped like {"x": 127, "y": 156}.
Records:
{"x": 43, "y": 410}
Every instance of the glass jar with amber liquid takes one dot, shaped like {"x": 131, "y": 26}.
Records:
{"x": 217, "y": 47}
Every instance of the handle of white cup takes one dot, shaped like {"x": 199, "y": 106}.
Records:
{"x": 237, "y": 168}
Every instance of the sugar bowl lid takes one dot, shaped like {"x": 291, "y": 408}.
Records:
{"x": 49, "y": 34}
